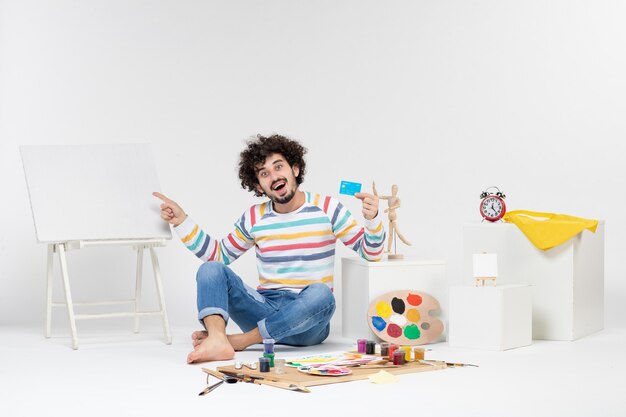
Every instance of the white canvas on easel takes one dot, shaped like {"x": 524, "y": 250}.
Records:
{"x": 93, "y": 192}
{"x": 94, "y": 195}
{"x": 485, "y": 267}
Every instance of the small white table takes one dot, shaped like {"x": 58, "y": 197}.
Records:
{"x": 490, "y": 318}
{"x": 567, "y": 281}
{"x": 363, "y": 281}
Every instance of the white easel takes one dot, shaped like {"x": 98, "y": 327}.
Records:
{"x": 139, "y": 245}
{"x": 485, "y": 268}
{"x": 97, "y": 195}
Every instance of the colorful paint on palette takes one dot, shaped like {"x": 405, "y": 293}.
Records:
{"x": 325, "y": 370}
{"x": 406, "y": 317}
{"x": 413, "y": 315}
{"x": 394, "y": 330}
{"x": 414, "y": 299}
{"x": 383, "y": 309}
{"x": 397, "y": 304}
{"x": 412, "y": 332}
{"x": 338, "y": 358}
{"x": 379, "y": 323}
{"x": 398, "y": 319}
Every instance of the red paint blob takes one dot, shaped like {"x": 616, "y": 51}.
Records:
{"x": 394, "y": 330}
{"x": 414, "y": 299}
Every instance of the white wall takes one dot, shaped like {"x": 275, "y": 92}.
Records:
{"x": 443, "y": 98}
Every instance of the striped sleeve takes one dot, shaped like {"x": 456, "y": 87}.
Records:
{"x": 205, "y": 247}
{"x": 367, "y": 241}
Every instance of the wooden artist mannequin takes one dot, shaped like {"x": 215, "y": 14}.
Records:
{"x": 394, "y": 203}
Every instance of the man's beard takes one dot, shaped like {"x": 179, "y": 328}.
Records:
{"x": 284, "y": 200}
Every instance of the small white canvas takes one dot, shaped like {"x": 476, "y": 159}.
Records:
{"x": 93, "y": 192}
{"x": 485, "y": 265}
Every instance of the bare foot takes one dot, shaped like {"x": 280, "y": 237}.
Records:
{"x": 198, "y": 337}
{"x": 215, "y": 348}
{"x": 237, "y": 342}
{"x": 241, "y": 341}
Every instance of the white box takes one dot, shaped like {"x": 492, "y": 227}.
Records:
{"x": 362, "y": 282}
{"x": 568, "y": 280}
{"x": 491, "y": 318}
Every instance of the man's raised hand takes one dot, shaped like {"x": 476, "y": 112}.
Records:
{"x": 370, "y": 204}
{"x": 171, "y": 212}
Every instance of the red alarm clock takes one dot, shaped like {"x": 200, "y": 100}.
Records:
{"x": 492, "y": 206}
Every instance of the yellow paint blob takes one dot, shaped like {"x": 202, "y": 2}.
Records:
{"x": 383, "y": 309}
{"x": 413, "y": 315}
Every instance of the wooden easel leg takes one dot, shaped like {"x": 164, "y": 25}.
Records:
{"x": 68, "y": 294}
{"x": 49, "y": 291}
{"x": 138, "y": 285}
{"x": 159, "y": 285}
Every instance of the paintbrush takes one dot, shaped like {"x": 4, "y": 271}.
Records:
{"x": 383, "y": 363}
{"x": 452, "y": 364}
{"x": 222, "y": 378}
{"x": 262, "y": 381}
{"x": 364, "y": 365}
{"x": 449, "y": 364}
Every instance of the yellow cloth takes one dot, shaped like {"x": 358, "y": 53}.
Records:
{"x": 547, "y": 230}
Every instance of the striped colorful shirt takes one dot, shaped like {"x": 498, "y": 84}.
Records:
{"x": 294, "y": 249}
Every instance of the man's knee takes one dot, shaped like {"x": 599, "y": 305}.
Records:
{"x": 320, "y": 294}
{"x": 211, "y": 271}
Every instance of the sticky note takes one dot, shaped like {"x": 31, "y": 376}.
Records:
{"x": 349, "y": 188}
{"x": 383, "y": 377}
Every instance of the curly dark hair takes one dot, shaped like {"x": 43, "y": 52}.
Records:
{"x": 259, "y": 148}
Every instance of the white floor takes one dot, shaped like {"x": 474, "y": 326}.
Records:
{"x": 126, "y": 374}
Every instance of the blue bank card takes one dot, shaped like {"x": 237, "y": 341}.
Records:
{"x": 349, "y": 188}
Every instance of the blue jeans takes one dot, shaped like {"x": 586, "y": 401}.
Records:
{"x": 298, "y": 319}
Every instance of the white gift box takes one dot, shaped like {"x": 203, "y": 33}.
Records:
{"x": 362, "y": 282}
{"x": 491, "y": 318}
{"x": 567, "y": 281}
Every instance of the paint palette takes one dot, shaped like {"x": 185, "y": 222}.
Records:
{"x": 405, "y": 317}
{"x": 325, "y": 370}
